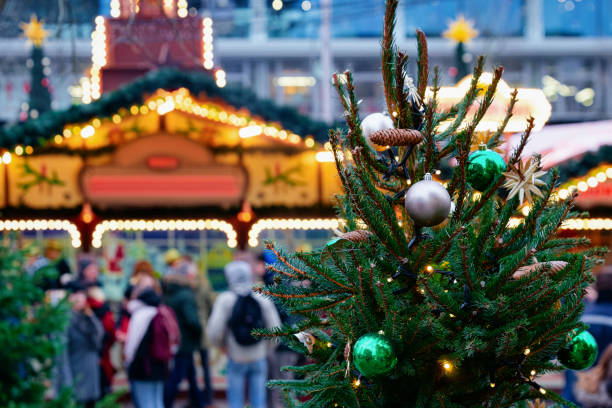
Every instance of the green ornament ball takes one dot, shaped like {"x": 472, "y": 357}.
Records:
{"x": 484, "y": 166}
{"x": 373, "y": 355}
{"x": 580, "y": 353}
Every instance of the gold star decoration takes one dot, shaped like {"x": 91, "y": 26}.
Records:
{"x": 461, "y": 30}
{"x": 483, "y": 138}
{"x": 34, "y": 31}
{"x": 524, "y": 180}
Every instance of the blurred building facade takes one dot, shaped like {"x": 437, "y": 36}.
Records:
{"x": 275, "y": 47}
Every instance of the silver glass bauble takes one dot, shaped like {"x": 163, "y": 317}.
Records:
{"x": 372, "y": 123}
{"x": 427, "y": 202}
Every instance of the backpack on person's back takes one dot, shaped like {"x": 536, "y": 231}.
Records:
{"x": 246, "y": 316}
{"x": 166, "y": 334}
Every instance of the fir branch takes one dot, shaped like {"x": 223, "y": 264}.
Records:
{"x": 461, "y": 178}
{"x": 462, "y": 109}
{"x": 422, "y": 64}
{"x": 495, "y": 140}
{"x": 518, "y": 151}
{"x": 404, "y": 114}
{"x": 383, "y": 299}
{"x": 388, "y": 54}
{"x": 466, "y": 268}
{"x": 289, "y": 330}
{"x": 351, "y": 115}
{"x": 297, "y": 295}
{"x": 382, "y": 204}
{"x": 428, "y": 132}
{"x": 321, "y": 272}
{"x": 281, "y": 258}
{"x": 326, "y": 306}
{"x": 382, "y": 230}
{"x": 280, "y": 271}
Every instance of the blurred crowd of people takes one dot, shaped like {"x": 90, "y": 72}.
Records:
{"x": 165, "y": 322}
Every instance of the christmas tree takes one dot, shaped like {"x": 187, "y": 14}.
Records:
{"x": 30, "y": 332}
{"x": 39, "y": 95}
{"x": 434, "y": 295}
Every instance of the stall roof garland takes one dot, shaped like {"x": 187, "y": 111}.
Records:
{"x": 586, "y": 163}
{"x": 39, "y": 131}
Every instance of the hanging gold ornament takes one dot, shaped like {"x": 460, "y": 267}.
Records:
{"x": 524, "y": 180}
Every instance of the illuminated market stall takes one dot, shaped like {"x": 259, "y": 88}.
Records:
{"x": 161, "y": 154}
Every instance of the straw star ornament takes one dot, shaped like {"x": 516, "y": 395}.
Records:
{"x": 524, "y": 180}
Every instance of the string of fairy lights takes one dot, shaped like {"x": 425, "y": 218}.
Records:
{"x": 181, "y": 100}
{"x": 91, "y": 87}
{"x": 165, "y": 225}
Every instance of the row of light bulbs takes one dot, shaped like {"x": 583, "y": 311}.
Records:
{"x": 185, "y": 103}
{"x": 165, "y": 225}
{"x": 599, "y": 175}
{"x": 92, "y": 87}
{"x": 228, "y": 229}
{"x": 180, "y": 100}
{"x": 207, "y": 44}
{"x": 290, "y": 224}
{"x": 93, "y": 90}
{"x": 44, "y": 225}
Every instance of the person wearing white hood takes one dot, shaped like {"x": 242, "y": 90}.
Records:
{"x": 145, "y": 372}
{"x": 235, "y": 313}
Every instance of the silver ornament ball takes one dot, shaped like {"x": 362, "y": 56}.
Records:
{"x": 375, "y": 122}
{"x": 427, "y": 202}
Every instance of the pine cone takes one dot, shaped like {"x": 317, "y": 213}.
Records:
{"x": 555, "y": 266}
{"x": 356, "y": 236}
{"x": 396, "y": 137}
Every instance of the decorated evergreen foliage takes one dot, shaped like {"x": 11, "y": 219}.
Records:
{"x": 30, "y": 328}
{"x": 39, "y": 99}
{"x": 434, "y": 295}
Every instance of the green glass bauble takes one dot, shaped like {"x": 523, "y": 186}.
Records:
{"x": 373, "y": 355}
{"x": 484, "y": 166}
{"x": 580, "y": 353}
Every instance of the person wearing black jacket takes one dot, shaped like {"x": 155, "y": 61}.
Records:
{"x": 180, "y": 297}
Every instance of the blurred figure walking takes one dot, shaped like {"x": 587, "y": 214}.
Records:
{"x": 147, "y": 349}
{"x": 52, "y": 257}
{"x": 172, "y": 258}
{"x": 235, "y": 313}
{"x": 205, "y": 298}
{"x": 85, "y": 337}
{"x": 142, "y": 276}
{"x": 179, "y": 296}
{"x": 96, "y": 300}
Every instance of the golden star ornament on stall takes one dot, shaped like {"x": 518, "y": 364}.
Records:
{"x": 461, "y": 30}
{"x": 34, "y": 31}
{"x": 524, "y": 180}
